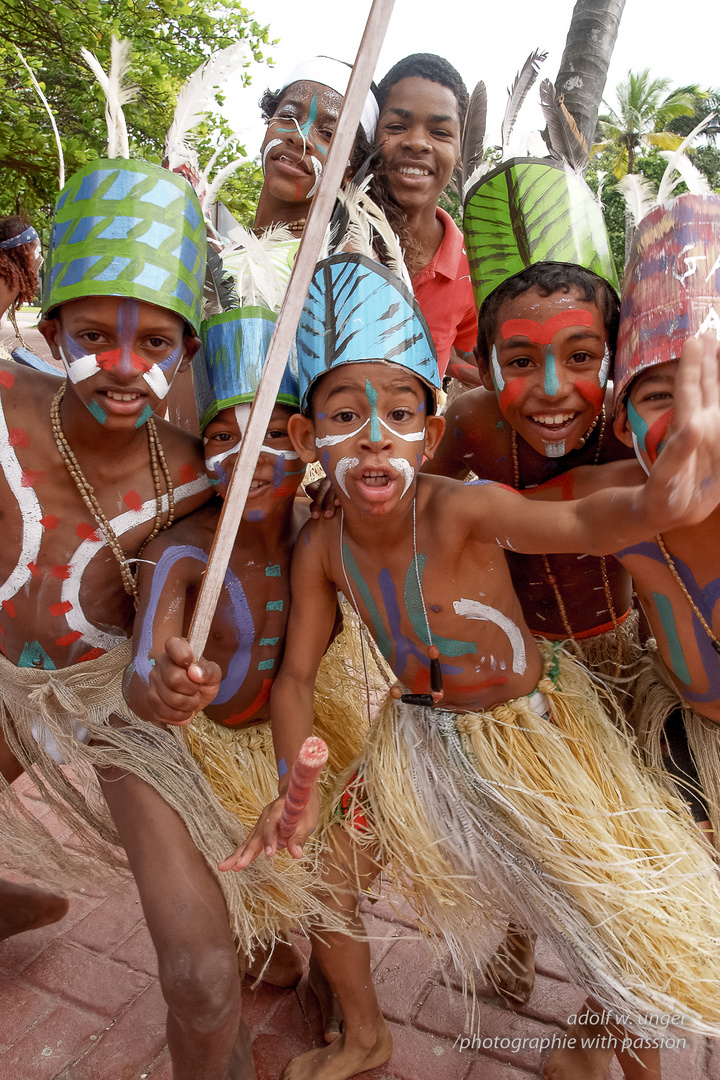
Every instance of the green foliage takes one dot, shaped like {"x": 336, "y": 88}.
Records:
{"x": 170, "y": 38}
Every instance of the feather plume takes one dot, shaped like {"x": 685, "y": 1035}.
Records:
{"x": 44, "y": 100}
{"x": 601, "y": 175}
{"x": 205, "y": 174}
{"x": 473, "y": 135}
{"x": 250, "y": 258}
{"x": 366, "y": 222}
{"x": 210, "y": 197}
{"x": 477, "y": 174}
{"x": 566, "y": 140}
{"x": 696, "y": 182}
{"x": 518, "y": 92}
{"x": 638, "y": 194}
{"x": 116, "y": 93}
{"x": 669, "y": 180}
{"x": 196, "y": 98}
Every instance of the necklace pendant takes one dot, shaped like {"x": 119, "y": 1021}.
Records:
{"x": 436, "y": 679}
{"x": 716, "y": 645}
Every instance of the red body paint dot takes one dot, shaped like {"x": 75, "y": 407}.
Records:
{"x": 7, "y": 380}
{"x": 187, "y": 474}
{"x": 86, "y": 532}
{"x": 132, "y": 500}
{"x": 68, "y": 639}
{"x": 50, "y": 521}
{"x": 92, "y": 655}
{"x": 9, "y": 607}
{"x": 32, "y": 567}
{"x": 31, "y": 477}
{"x": 18, "y": 437}
{"x": 60, "y": 609}
{"x": 62, "y": 573}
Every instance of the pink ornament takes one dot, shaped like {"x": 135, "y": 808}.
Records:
{"x": 309, "y": 763}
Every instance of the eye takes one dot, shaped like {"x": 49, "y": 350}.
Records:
{"x": 345, "y": 416}
{"x": 582, "y": 358}
{"x": 276, "y": 433}
{"x": 222, "y": 437}
{"x": 519, "y": 362}
{"x": 156, "y": 342}
{"x": 400, "y": 414}
{"x": 93, "y": 337}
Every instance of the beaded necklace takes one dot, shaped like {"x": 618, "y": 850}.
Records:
{"x": 551, "y": 578}
{"x": 87, "y": 492}
{"x": 673, "y": 570}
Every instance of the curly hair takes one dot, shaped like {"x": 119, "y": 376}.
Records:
{"x": 549, "y": 278}
{"x": 17, "y": 265}
{"x": 426, "y": 66}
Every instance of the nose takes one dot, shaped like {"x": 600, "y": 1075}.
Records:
{"x": 416, "y": 138}
{"x": 557, "y": 380}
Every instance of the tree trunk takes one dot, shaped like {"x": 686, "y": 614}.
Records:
{"x": 584, "y": 65}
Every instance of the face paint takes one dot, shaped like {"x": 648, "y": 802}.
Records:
{"x": 155, "y": 377}
{"x": 542, "y": 333}
{"x": 404, "y": 467}
{"x": 144, "y": 416}
{"x": 554, "y": 449}
{"x": 551, "y": 385}
{"x": 604, "y": 367}
{"x": 214, "y": 464}
{"x": 372, "y": 397}
{"x": 273, "y": 143}
{"x": 98, "y": 412}
{"x": 497, "y": 373}
{"x": 317, "y": 169}
{"x": 473, "y": 609}
{"x": 341, "y": 468}
{"x": 81, "y": 366}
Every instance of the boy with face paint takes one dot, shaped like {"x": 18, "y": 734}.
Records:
{"x": 231, "y": 737}
{"x": 91, "y": 475}
{"x": 448, "y": 786}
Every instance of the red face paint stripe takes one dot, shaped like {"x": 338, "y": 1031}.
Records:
{"x": 592, "y": 392}
{"x": 60, "y": 609}
{"x": 68, "y": 639}
{"x": 510, "y": 393}
{"x": 50, "y": 521}
{"x": 247, "y": 714}
{"x": 112, "y": 358}
{"x": 542, "y": 333}
{"x": 18, "y": 437}
{"x": 657, "y": 432}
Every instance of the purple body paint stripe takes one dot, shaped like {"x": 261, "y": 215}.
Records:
{"x": 278, "y": 471}
{"x": 403, "y": 646}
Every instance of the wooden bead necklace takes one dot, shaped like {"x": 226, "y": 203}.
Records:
{"x": 87, "y": 492}
{"x": 673, "y": 570}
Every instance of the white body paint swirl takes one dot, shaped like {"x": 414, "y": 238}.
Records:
{"x": 341, "y": 468}
{"x": 27, "y": 500}
{"x": 88, "y": 549}
{"x": 473, "y": 609}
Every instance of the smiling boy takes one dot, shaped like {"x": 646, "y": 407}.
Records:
{"x": 448, "y": 785}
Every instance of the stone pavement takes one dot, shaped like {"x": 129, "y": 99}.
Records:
{"x": 80, "y": 1001}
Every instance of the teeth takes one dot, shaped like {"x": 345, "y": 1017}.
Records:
{"x": 115, "y": 396}
{"x": 406, "y": 170}
{"x": 554, "y": 421}
{"x": 258, "y": 484}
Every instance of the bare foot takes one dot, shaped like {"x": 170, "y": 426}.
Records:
{"x": 332, "y": 1016}
{"x": 284, "y": 968}
{"x": 586, "y": 1056}
{"x": 343, "y": 1058}
{"x": 511, "y": 971}
{"x": 27, "y": 907}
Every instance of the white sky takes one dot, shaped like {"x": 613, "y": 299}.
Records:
{"x": 483, "y": 41}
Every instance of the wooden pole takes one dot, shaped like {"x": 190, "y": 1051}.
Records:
{"x": 288, "y": 319}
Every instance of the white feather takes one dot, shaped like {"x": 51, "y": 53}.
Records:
{"x": 209, "y": 198}
{"x": 196, "y": 98}
{"x": 668, "y": 182}
{"x": 477, "y": 174}
{"x": 259, "y": 277}
{"x": 38, "y": 91}
{"x": 638, "y": 194}
{"x": 205, "y": 174}
{"x": 366, "y": 221}
{"x": 697, "y": 183}
{"x": 116, "y": 93}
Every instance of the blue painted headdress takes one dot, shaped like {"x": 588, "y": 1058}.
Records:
{"x": 358, "y": 311}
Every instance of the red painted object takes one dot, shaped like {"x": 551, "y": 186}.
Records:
{"x": 309, "y": 763}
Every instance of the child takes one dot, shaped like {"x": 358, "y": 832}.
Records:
{"x": 423, "y": 101}
{"x": 480, "y": 787}
{"x": 231, "y": 738}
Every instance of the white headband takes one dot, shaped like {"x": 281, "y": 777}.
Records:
{"x": 336, "y": 75}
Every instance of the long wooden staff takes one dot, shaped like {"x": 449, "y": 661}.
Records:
{"x": 288, "y": 319}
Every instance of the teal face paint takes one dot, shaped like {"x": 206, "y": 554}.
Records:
{"x": 551, "y": 384}
{"x": 381, "y": 635}
{"x": 667, "y": 618}
{"x": 637, "y": 425}
{"x": 312, "y": 116}
{"x": 144, "y": 416}
{"x": 374, "y": 421}
{"x": 98, "y": 412}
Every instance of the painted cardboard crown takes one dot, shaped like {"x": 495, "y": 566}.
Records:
{"x": 358, "y": 311}
{"x": 672, "y": 285}
{"x": 128, "y": 228}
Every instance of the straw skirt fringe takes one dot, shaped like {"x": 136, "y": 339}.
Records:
{"x": 551, "y": 822}
{"x": 656, "y": 697}
{"x": 262, "y": 902}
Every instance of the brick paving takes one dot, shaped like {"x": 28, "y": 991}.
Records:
{"x": 80, "y": 1001}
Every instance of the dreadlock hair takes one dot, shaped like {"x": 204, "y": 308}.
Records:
{"x": 548, "y": 278}
{"x": 17, "y": 265}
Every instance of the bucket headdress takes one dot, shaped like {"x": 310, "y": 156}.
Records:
{"x": 529, "y": 209}
{"x": 124, "y": 227}
{"x": 359, "y": 311}
{"x": 671, "y": 288}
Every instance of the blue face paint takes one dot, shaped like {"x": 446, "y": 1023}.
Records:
{"x": 255, "y": 515}
{"x": 312, "y": 116}
{"x": 421, "y": 407}
{"x": 127, "y": 321}
{"x": 326, "y": 462}
{"x": 278, "y": 471}
{"x": 282, "y": 767}
{"x": 637, "y": 424}
{"x": 144, "y": 416}
{"x": 98, "y": 412}
{"x": 551, "y": 384}
{"x": 372, "y": 397}
{"x": 321, "y": 416}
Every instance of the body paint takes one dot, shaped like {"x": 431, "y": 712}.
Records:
{"x": 651, "y": 439}
{"x": 551, "y": 385}
{"x": 604, "y": 368}
{"x": 667, "y": 620}
{"x": 270, "y": 146}
{"x": 317, "y": 169}
{"x": 414, "y": 608}
{"x": 30, "y": 510}
{"x": 33, "y": 655}
{"x": 372, "y": 397}
{"x": 473, "y": 609}
{"x": 335, "y": 440}
{"x": 496, "y": 371}
{"x": 542, "y": 333}
{"x": 404, "y": 647}
{"x": 403, "y": 466}
{"x": 341, "y": 468}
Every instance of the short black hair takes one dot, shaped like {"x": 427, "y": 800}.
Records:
{"x": 548, "y": 278}
{"x": 426, "y": 66}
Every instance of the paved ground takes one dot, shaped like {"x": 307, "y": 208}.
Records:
{"x": 80, "y": 1001}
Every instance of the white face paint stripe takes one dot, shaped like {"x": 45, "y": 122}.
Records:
{"x": 401, "y": 465}
{"x": 341, "y": 468}
{"x": 317, "y": 169}
{"x": 497, "y": 373}
{"x": 289, "y": 455}
{"x": 273, "y": 143}
{"x": 473, "y": 609}
{"x": 555, "y": 449}
{"x": 88, "y": 549}
{"x": 242, "y": 415}
{"x": 604, "y": 367}
{"x": 217, "y": 459}
{"x": 335, "y": 440}
{"x": 638, "y": 455}
{"x": 155, "y": 378}
{"x": 27, "y": 500}
{"x": 82, "y": 368}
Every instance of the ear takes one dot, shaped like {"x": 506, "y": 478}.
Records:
{"x": 301, "y": 430}
{"x": 191, "y": 344}
{"x": 434, "y": 429}
{"x": 485, "y": 376}
{"x": 621, "y": 426}
{"x": 50, "y": 330}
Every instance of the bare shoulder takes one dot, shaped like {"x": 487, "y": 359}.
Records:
{"x": 315, "y": 541}
{"x": 28, "y": 391}
{"x": 473, "y": 411}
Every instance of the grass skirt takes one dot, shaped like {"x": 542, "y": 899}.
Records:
{"x": 656, "y": 698}
{"x": 507, "y": 814}
{"x": 261, "y": 902}
{"x": 614, "y": 656}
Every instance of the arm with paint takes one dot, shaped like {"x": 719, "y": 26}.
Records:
{"x": 163, "y": 684}
{"x": 312, "y": 616}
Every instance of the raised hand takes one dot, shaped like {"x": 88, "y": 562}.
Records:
{"x": 179, "y": 685}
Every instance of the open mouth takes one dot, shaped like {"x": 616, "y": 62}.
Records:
{"x": 294, "y": 164}
{"x": 375, "y": 478}
{"x": 413, "y": 172}
{"x": 117, "y": 395}
{"x": 554, "y": 423}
